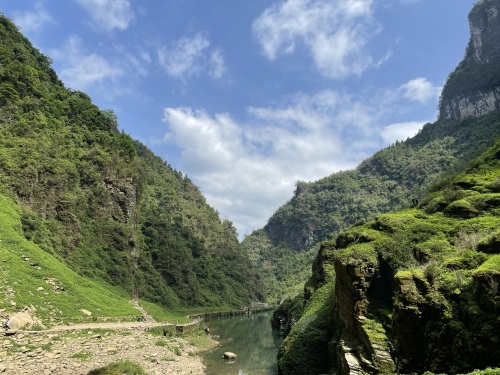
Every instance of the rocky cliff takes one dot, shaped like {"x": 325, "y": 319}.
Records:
{"x": 473, "y": 89}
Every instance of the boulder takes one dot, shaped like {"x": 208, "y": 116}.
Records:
{"x": 229, "y": 355}
{"x": 20, "y": 320}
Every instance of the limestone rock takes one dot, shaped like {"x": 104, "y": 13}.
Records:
{"x": 20, "y": 320}
{"x": 473, "y": 89}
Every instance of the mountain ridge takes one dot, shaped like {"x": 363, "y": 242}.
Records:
{"x": 413, "y": 288}
{"x": 103, "y": 204}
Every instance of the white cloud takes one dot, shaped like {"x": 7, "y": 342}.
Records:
{"x": 401, "y": 131}
{"x": 247, "y": 169}
{"x": 81, "y": 69}
{"x": 217, "y": 65}
{"x": 109, "y": 14}
{"x": 335, "y": 32}
{"x": 33, "y": 21}
{"x": 420, "y": 90}
{"x": 191, "y": 56}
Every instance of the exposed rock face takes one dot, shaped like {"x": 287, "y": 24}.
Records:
{"x": 483, "y": 46}
{"x": 467, "y": 105}
{"x": 473, "y": 88}
{"x": 229, "y": 355}
{"x": 357, "y": 352}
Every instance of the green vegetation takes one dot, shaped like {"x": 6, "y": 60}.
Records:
{"x": 119, "y": 368}
{"x": 443, "y": 313}
{"x": 30, "y": 276}
{"x": 304, "y": 350}
{"x": 386, "y": 182}
{"x": 94, "y": 217}
{"x": 83, "y": 356}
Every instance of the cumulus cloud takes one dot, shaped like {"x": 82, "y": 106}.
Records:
{"x": 247, "y": 169}
{"x": 81, "y": 69}
{"x": 335, "y": 32}
{"x": 191, "y": 56}
{"x": 33, "y": 20}
{"x": 421, "y": 90}
{"x": 109, "y": 14}
{"x": 401, "y": 131}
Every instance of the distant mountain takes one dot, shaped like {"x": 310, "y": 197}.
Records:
{"x": 394, "y": 176}
{"x": 103, "y": 204}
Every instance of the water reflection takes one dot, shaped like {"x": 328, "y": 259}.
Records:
{"x": 251, "y": 339}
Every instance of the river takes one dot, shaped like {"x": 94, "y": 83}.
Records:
{"x": 251, "y": 339}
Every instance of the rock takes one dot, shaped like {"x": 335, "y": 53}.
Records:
{"x": 229, "y": 355}
{"x": 86, "y": 312}
{"x": 20, "y": 320}
{"x": 483, "y": 52}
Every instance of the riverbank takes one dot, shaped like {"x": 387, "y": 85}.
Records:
{"x": 77, "y": 353}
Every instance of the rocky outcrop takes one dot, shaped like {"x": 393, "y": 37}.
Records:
{"x": 473, "y": 89}
{"x": 358, "y": 350}
{"x": 470, "y": 104}
{"x": 483, "y": 46}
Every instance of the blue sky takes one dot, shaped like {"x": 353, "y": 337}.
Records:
{"x": 248, "y": 97}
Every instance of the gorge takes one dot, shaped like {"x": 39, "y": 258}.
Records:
{"x": 401, "y": 254}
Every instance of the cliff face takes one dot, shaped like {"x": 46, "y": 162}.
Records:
{"x": 473, "y": 89}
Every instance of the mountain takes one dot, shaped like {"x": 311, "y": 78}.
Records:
{"x": 413, "y": 287}
{"x": 473, "y": 89}
{"x": 102, "y": 205}
{"x": 411, "y": 291}
{"x": 392, "y": 177}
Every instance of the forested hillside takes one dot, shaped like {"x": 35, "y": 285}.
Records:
{"x": 395, "y": 176}
{"x": 387, "y": 181}
{"x": 415, "y": 290}
{"x": 411, "y": 291}
{"x": 102, "y": 203}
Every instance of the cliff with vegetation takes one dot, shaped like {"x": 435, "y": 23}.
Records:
{"x": 473, "y": 88}
{"x": 409, "y": 292}
{"x": 392, "y": 177}
{"x": 99, "y": 204}
{"x": 415, "y": 290}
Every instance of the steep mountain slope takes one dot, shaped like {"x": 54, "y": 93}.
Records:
{"x": 32, "y": 277}
{"x": 473, "y": 89}
{"x": 392, "y": 177}
{"x": 103, "y": 204}
{"x": 417, "y": 290}
{"x": 409, "y": 292}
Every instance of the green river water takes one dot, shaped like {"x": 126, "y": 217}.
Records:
{"x": 251, "y": 339}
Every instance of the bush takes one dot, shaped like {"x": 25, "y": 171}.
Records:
{"x": 119, "y": 368}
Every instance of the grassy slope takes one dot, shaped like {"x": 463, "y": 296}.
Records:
{"x": 21, "y": 277}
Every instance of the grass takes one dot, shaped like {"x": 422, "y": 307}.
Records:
{"x": 161, "y": 314}
{"x": 120, "y": 368}
{"x": 83, "y": 356}
{"x": 201, "y": 341}
{"x": 491, "y": 266}
{"x": 24, "y": 268}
